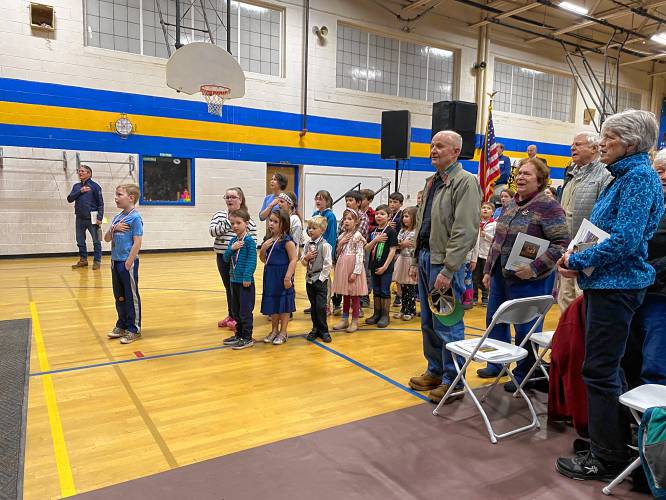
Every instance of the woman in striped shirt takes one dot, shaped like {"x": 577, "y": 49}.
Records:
{"x": 220, "y": 229}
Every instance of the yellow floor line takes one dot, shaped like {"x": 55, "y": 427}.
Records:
{"x": 59, "y": 447}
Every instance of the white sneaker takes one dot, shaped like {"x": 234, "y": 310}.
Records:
{"x": 116, "y": 333}
{"x": 130, "y": 337}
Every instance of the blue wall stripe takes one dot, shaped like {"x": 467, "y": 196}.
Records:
{"x": 56, "y": 138}
{"x": 50, "y": 94}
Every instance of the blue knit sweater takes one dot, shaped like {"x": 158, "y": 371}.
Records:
{"x": 629, "y": 209}
{"x": 243, "y": 261}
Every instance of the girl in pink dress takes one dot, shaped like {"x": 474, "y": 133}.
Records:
{"x": 349, "y": 278}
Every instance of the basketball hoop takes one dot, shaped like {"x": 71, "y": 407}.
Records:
{"x": 215, "y": 96}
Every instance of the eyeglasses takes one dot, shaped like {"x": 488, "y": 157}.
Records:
{"x": 229, "y": 197}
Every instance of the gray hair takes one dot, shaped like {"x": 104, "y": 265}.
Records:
{"x": 592, "y": 138}
{"x": 660, "y": 157}
{"x": 454, "y": 138}
{"x": 634, "y": 127}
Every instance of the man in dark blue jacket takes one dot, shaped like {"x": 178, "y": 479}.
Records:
{"x": 89, "y": 210}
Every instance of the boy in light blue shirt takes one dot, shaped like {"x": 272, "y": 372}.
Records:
{"x": 126, "y": 233}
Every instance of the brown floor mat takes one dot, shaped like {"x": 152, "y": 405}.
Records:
{"x": 406, "y": 454}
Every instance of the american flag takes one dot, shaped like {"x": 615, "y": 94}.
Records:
{"x": 489, "y": 170}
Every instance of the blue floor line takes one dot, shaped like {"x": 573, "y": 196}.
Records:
{"x": 133, "y": 360}
{"x": 370, "y": 370}
{"x": 194, "y": 351}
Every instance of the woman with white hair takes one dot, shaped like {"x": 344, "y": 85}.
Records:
{"x": 629, "y": 209}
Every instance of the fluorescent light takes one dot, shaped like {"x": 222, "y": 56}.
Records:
{"x": 440, "y": 52}
{"x": 572, "y": 7}
{"x": 531, "y": 71}
{"x": 659, "y": 38}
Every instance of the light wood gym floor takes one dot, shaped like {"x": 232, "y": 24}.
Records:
{"x": 102, "y": 413}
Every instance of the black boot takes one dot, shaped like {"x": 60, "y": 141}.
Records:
{"x": 377, "y": 313}
{"x": 384, "y": 319}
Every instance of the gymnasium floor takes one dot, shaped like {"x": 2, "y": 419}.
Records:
{"x": 101, "y": 413}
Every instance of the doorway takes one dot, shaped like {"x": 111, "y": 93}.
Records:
{"x": 288, "y": 170}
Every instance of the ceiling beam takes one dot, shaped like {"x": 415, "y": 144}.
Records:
{"x": 509, "y": 13}
{"x": 610, "y": 14}
{"x": 644, "y": 59}
{"x": 415, "y": 5}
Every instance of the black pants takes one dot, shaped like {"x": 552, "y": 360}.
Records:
{"x": 336, "y": 299}
{"x": 242, "y": 305}
{"x": 608, "y": 318}
{"x": 317, "y": 294}
{"x": 223, "y": 268}
{"x": 477, "y": 279}
{"x": 408, "y": 299}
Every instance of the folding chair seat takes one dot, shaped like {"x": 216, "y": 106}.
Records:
{"x": 543, "y": 341}
{"x": 511, "y": 312}
{"x": 638, "y": 400}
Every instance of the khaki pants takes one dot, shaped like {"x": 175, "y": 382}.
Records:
{"x": 567, "y": 291}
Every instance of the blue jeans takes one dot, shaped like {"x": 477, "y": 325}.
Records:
{"x": 608, "y": 316}
{"x": 84, "y": 224}
{"x": 436, "y": 335}
{"x": 381, "y": 284}
{"x": 502, "y": 290}
{"x": 649, "y": 337}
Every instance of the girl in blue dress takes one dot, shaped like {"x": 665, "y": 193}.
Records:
{"x": 279, "y": 255}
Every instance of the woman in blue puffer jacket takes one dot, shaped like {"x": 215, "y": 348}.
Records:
{"x": 629, "y": 209}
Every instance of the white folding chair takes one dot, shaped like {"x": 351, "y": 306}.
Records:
{"x": 511, "y": 312}
{"x": 638, "y": 400}
{"x": 543, "y": 341}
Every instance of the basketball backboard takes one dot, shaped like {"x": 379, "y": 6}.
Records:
{"x": 199, "y": 63}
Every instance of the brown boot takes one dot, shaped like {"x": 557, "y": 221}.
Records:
{"x": 96, "y": 265}
{"x": 384, "y": 318}
{"x": 342, "y": 325}
{"x": 437, "y": 394}
{"x": 425, "y": 382}
{"x": 80, "y": 263}
{"x": 353, "y": 326}
{"x": 378, "y": 312}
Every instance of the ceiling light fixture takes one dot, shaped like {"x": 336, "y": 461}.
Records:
{"x": 659, "y": 38}
{"x": 572, "y": 7}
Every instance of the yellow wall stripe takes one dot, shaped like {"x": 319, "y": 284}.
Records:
{"x": 37, "y": 115}
{"x": 59, "y": 447}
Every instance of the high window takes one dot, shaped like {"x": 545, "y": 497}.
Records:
{"x": 134, "y": 26}
{"x": 374, "y": 63}
{"x": 526, "y": 91}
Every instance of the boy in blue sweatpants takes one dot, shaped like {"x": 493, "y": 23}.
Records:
{"x": 126, "y": 233}
{"x": 241, "y": 254}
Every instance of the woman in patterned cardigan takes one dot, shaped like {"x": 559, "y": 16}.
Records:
{"x": 533, "y": 213}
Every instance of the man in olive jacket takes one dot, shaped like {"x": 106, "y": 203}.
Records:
{"x": 447, "y": 227}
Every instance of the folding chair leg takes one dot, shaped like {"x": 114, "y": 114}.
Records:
{"x": 497, "y": 379}
{"x": 535, "y": 419}
{"x": 449, "y": 392}
{"x": 537, "y": 363}
{"x": 623, "y": 475}
{"x": 486, "y": 420}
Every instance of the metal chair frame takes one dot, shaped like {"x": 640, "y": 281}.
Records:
{"x": 517, "y": 311}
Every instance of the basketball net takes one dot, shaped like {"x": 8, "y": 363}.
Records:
{"x": 215, "y": 95}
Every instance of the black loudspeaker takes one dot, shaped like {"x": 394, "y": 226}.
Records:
{"x": 396, "y": 132}
{"x": 459, "y": 116}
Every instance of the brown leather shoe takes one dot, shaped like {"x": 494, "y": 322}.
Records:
{"x": 425, "y": 382}
{"x": 437, "y": 394}
{"x": 81, "y": 263}
{"x": 96, "y": 265}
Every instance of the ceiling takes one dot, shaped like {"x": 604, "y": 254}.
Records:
{"x": 619, "y": 24}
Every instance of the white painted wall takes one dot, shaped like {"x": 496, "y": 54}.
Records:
{"x": 34, "y": 215}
